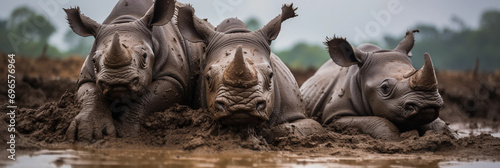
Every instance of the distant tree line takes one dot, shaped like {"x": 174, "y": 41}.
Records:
{"x": 457, "y": 49}
{"x": 27, "y": 32}
{"x": 450, "y": 49}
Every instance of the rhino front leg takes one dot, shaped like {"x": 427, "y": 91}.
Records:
{"x": 376, "y": 127}
{"x": 162, "y": 94}
{"x": 438, "y": 125}
{"x": 301, "y": 128}
{"x": 158, "y": 96}
{"x": 94, "y": 120}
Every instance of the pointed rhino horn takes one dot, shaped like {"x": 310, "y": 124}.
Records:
{"x": 116, "y": 56}
{"x": 239, "y": 73}
{"x": 424, "y": 78}
{"x": 406, "y": 45}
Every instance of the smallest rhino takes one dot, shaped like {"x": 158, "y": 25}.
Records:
{"x": 377, "y": 91}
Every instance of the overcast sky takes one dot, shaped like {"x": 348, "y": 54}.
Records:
{"x": 358, "y": 21}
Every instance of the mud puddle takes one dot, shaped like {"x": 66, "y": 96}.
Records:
{"x": 160, "y": 158}
{"x": 475, "y": 129}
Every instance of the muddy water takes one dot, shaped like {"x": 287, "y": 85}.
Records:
{"x": 156, "y": 158}
{"x": 474, "y": 129}
{"x": 70, "y": 156}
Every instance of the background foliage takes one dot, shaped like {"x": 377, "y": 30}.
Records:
{"x": 450, "y": 48}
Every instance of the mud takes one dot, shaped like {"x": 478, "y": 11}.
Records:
{"x": 47, "y": 106}
{"x": 182, "y": 128}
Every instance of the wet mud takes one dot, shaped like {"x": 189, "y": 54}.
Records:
{"x": 47, "y": 106}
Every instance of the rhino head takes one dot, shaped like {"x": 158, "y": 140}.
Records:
{"x": 237, "y": 71}
{"x": 123, "y": 54}
{"x": 390, "y": 86}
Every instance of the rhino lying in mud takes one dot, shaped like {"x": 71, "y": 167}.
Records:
{"x": 138, "y": 64}
{"x": 377, "y": 91}
{"x": 242, "y": 82}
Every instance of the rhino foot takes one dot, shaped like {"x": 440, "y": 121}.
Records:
{"x": 90, "y": 125}
{"x": 377, "y": 127}
{"x": 439, "y": 125}
{"x": 300, "y": 128}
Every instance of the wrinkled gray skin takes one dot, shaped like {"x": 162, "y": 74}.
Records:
{"x": 377, "y": 91}
{"x": 243, "y": 83}
{"x": 138, "y": 64}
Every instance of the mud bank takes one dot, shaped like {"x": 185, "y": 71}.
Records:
{"x": 185, "y": 129}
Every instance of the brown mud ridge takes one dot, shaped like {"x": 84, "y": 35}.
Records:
{"x": 47, "y": 106}
{"x": 182, "y": 128}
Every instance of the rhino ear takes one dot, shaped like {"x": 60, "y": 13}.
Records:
{"x": 272, "y": 29}
{"x": 160, "y": 13}
{"x": 343, "y": 54}
{"x": 81, "y": 24}
{"x": 406, "y": 44}
{"x": 193, "y": 28}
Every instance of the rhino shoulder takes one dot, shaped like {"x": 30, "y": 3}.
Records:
{"x": 318, "y": 89}
{"x": 291, "y": 106}
{"x": 87, "y": 73}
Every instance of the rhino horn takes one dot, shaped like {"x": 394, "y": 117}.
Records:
{"x": 239, "y": 72}
{"x": 424, "y": 78}
{"x": 116, "y": 56}
{"x": 406, "y": 45}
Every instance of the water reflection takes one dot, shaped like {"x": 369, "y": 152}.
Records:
{"x": 156, "y": 158}
{"x": 76, "y": 157}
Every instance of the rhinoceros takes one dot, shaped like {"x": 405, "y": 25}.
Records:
{"x": 139, "y": 63}
{"x": 374, "y": 90}
{"x": 243, "y": 83}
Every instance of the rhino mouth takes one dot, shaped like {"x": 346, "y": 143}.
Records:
{"x": 119, "y": 90}
{"x": 420, "y": 115}
{"x": 239, "y": 114}
{"x": 242, "y": 118}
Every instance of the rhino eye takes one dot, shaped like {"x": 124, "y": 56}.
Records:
{"x": 386, "y": 88}
{"x": 271, "y": 75}
{"x": 207, "y": 78}
{"x": 144, "y": 55}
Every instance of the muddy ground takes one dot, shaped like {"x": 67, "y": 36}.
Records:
{"x": 45, "y": 97}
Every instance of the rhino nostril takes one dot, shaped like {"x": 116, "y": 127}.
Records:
{"x": 410, "y": 107}
{"x": 134, "y": 83}
{"x": 220, "y": 105}
{"x": 261, "y": 105}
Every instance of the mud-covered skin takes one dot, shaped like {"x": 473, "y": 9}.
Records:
{"x": 377, "y": 91}
{"x": 242, "y": 82}
{"x": 139, "y": 63}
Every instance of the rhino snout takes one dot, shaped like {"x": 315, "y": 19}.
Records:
{"x": 220, "y": 105}
{"x": 421, "y": 114}
{"x": 242, "y": 113}
{"x": 116, "y": 88}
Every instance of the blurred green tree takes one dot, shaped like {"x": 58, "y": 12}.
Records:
{"x": 457, "y": 49}
{"x": 253, "y": 23}
{"x": 303, "y": 56}
{"x": 77, "y": 44}
{"x": 27, "y": 33}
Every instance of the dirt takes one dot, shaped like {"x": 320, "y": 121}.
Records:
{"x": 47, "y": 106}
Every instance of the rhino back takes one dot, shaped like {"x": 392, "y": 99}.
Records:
{"x": 289, "y": 105}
